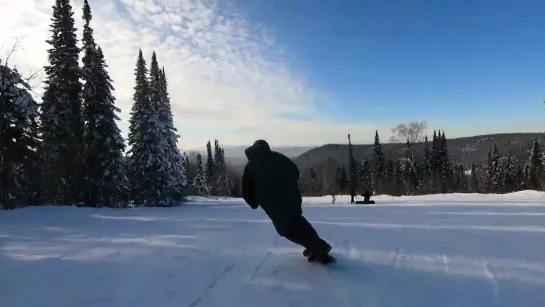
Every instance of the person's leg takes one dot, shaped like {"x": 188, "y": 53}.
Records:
{"x": 301, "y": 232}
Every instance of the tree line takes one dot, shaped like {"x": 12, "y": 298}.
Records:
{"x": 211, "y": 177}
{"x": 428, "y": 172}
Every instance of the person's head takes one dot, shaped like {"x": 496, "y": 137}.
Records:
{"x": 259, "y": 148}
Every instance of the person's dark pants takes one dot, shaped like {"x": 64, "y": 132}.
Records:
{"x": 301, "y": 232}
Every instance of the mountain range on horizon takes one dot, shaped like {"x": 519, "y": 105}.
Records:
{"x": 463, "y": 149}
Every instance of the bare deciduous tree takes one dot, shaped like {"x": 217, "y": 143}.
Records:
{"x": 34, "y": 78}
{"x": 412, "y": 132}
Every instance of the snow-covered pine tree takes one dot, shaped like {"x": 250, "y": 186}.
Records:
{"x": 200, "y": 182}
{"x": 164, "y": 171}
{"x": 141, "y": 140}
{"x": 223, "y": 184}
{"x": 103, "y": 144}
{"x": 61, "y": 120}
{"x": 178, "y": 172}
{"x": 18, "y": 140}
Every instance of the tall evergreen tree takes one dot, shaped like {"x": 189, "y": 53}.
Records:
{"x": 443, "y": 156}
{"x": 103, "y": 149}
{"x": 210, "y": 166}
{"x": 409, "y": 171}
{"x": 61, "y": 120}
{"x": 353, "y": 171}
{"x": 222, "y": 183}
{"x": 217, "y": 153}
{"x": 426, "y": 164}
{"x": 18, "y": 140}
{"x": 379, "y": 164}
{"x": 435, "y": 159}
{"x": 189, "y": 169}
{"x": 156, "y": 165}
{"x": 140, "y": 138}
{"x": 216, "y": 169}
{"x": 172, "y": 180}
{"x": 200, "y": 182}
{"x": 177, "y": 171}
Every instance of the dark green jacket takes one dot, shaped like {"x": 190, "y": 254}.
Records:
{"x": 271, "y": 180}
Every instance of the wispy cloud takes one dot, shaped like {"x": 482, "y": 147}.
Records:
{"x": 227, "y": 77}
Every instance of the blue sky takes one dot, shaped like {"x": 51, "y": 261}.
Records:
{"x": 469, "y": 62}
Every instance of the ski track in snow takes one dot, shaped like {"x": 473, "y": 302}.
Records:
{"x": 225, "y": 254}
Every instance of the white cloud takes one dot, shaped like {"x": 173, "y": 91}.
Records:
{"x": 224, "y": 74}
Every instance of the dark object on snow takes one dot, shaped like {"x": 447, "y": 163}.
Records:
{"x": 366, "y": 198}
{"x": 323, "y": 258}
{"x": 271, "y": 180}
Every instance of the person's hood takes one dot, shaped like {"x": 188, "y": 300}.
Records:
{"x": 259, "y": 148}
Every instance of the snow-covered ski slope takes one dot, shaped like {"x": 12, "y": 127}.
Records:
{"x": 427, "y": 251}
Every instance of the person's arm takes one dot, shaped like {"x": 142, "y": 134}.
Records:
{"x": 248, "y": 187}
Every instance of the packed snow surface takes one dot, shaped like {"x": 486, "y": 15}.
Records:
{"x": 437, "y": 250}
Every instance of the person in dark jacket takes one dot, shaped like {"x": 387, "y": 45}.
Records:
{"x": 271, "y": 180}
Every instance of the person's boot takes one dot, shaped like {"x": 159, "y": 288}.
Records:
{"x": 319, "y": 255}
{"x": 325, "y": 259}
